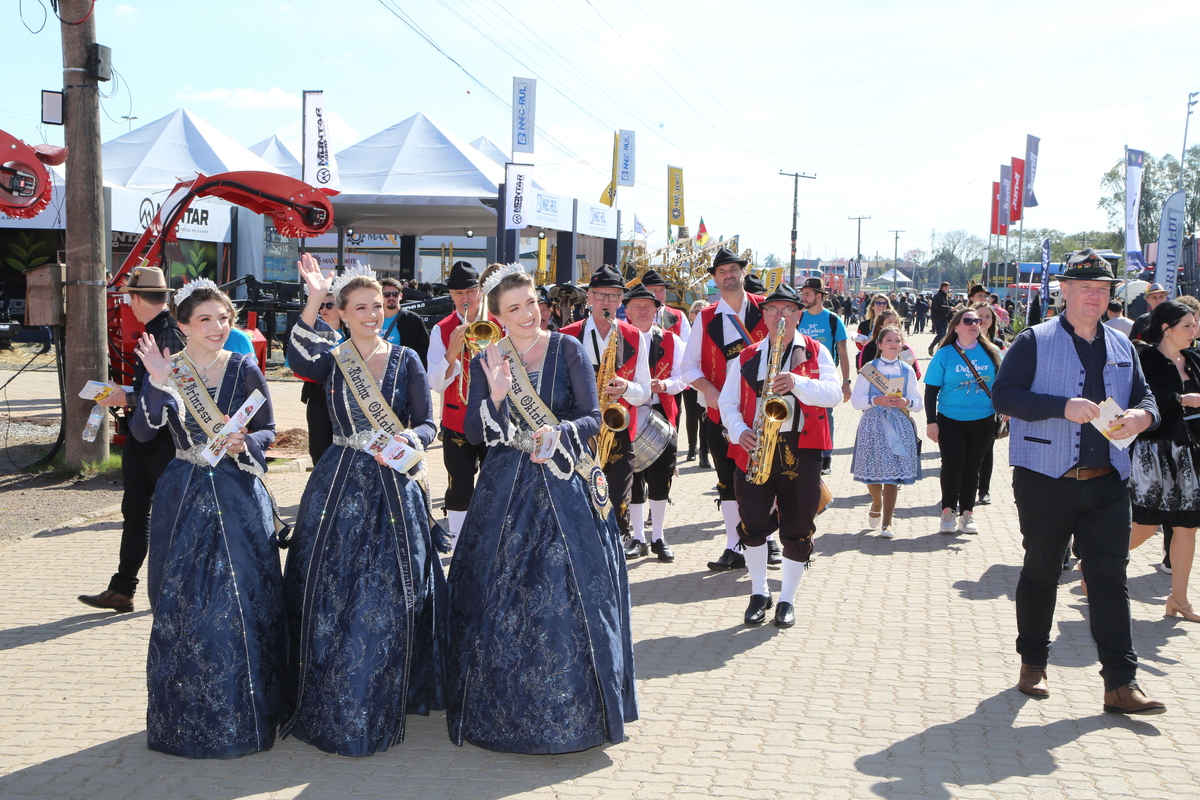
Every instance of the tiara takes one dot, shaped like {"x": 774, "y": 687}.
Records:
{"x": 184, "y": 292}
{"x": 500, "y": 274}
{"x": 350, "y": 273}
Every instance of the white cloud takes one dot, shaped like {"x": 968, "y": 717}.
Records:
{"x": 273, "y": 98}
{"x": 124, "y": 10}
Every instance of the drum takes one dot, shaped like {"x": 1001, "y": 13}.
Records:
{"x": 652, "y": 439}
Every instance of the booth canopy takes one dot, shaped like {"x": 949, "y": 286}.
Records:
{"x": 893, "y": 276}
{"x": 277, "y": 154}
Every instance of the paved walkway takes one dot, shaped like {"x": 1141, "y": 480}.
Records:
{"x": 897, "y": 682}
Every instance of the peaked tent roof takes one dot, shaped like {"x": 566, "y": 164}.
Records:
{"x": 159, "y": 154}
{"x": 490, "y": 149}
{"x": 276, "y": 153}
{"x": 892, "y": 274}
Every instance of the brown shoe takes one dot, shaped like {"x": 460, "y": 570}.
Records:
{"x": 1130, "y": 699}
{"x": 109, "y": 601}
{"x": 1033, "y": 681}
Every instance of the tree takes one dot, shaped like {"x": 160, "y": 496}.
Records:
{"x": 771, "y": 261}
{"x": 1160, "y": 177}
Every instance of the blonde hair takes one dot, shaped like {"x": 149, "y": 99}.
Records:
{"x": 354, "y": 284}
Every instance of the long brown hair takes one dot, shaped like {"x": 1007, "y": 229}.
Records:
{"x": 951, "y": 336}
{"x": 994, "y": 328}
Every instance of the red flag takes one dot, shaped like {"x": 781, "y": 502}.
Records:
{"x": 996, "y": 226}
{"x": 1017, "y": 200}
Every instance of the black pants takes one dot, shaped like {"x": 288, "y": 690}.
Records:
{"x": 963, "y": 445}
{"x": 316, "y": 412}
{"x": 985, "y": 471}
{"x": 718, "y": 448}
{"x": 619, "y": 473}
{"x": 142, "y": 464}
{"x": 795, "y": 484}
{"x": 462, "y": 460}
{"x": 692, "y": 414}
{"x": 1098, "y": 513}
{"x": 654, "y": 482}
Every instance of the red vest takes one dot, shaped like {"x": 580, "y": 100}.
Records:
{"x": 715, "y": 353}
{"x": 815, "y": 435}
{"x": 626, "y": 357}
{"x": 663, "y": 346}
{"x": 672, "y": 320}
{"x": 454, "y": 407}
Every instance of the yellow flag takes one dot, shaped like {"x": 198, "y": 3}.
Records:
{"x": 610, "y": 193}
{"x": 675, "y": 196}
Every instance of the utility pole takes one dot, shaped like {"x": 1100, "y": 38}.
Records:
{"x": 1191, "y": 102}
{"x": 795, "y": 214}
{"x": 858, "y": 250}
{"x": 85, "y": 342}
{"x": 895, "y": 259}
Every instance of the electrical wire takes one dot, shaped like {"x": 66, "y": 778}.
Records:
{"x": 54, "y": 5}
{"x": 45, "y": 16}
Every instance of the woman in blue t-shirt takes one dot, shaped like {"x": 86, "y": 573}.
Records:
{"x": 958, "y": 408}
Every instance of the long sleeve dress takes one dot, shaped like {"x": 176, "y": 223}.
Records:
{"x": 886, "y": 447}
{"x": 216, "y": 655}
{"x": 364, "y": 587}
{"x": 540, "y": 656}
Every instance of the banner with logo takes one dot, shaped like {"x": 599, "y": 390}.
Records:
{"x": 1005, "y": 195}
{"x": 675, "y": 196}
{"x": 320, "y": 167}
{"x": 524, "y": 95}
{"x": 1170, "y": 242}
{"x": 1017, "y": 195}
{"x": 597, "y": 220}
{"x": 1134, "y": 162}
{"x": 626, "y": 158}
{"x": 996, "y": 208}
{"x": 1031, "y": 157}
{"x": 1045, "y": 273}
{"x": 518, "y": 182}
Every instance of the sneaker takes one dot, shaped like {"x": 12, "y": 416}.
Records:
{"x": 887, "y": 533}
{"x": 874, "y": 519}
{"x": 966, "y": 523}
{"x": 947, "y": 525}
{"x": 827, "y": 465}
{"x": 985, "y": 499}
{"x": 1162, "y": 567}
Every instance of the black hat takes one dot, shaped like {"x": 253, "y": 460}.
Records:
{"x": 542, "y": 295}
{"x": 1088, "y": 265}
{"x": 785, "y": 292}
{"x": 605, "y": 276}
{"x": 816, "y": 284}
{"x": 640, "y": 292}
{"x": 652, "y": 278}
{"x": 725, "y": 256}
{"x": 462, "y": 276}
{"x": 754, "y": 284}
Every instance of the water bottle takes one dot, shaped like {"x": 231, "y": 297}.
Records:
{"x": 93, "y": 424}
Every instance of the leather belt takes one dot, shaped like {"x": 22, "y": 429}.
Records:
{"x": 1087, "y": 473}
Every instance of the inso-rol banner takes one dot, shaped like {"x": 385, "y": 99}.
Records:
{"x": 518, "y": 180}
{"x": 524, "y": 95}
{"x": 320, "y": 167}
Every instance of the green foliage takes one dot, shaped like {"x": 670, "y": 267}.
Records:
{"x": 27, "y": 253}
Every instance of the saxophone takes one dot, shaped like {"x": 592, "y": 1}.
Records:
{"x": 773, "y": 411}
{"x": 613, "y": 416}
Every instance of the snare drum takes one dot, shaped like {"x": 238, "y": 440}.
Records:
{"x": 652, "y": 439}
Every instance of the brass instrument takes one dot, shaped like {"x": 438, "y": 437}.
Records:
{"x": 479, "y": 334}
{"x": 613, "y": 416}
{"x": 773, "y": 411}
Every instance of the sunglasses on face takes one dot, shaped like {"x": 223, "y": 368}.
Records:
{"x": 391, "y": 294}
{"x": 327, "y": 305}
{"x": 881, "y": 302}
{"x": 971, "y": 321}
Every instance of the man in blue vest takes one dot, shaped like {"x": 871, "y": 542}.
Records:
{"x": 1069, "y": 478}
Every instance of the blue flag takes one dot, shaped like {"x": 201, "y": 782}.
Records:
{"x": 1045, "y": 274}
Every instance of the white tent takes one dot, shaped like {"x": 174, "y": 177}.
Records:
{"x": 416, "y": 178}
{"x": 492, "y": 150}
{"x": 893, "y": 276}
{"x": 161, "y": 153}
{"x": 277, "y": 154}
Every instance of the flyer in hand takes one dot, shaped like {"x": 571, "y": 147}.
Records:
{"x": 220, "y": 443}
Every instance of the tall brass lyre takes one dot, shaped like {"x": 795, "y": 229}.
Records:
{"x": 613, "y": 416}
{"x": 773, "y": 411}
{"x": 478, "y": 336}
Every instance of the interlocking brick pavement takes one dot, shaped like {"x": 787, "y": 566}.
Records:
{"x": 896, "y": 682}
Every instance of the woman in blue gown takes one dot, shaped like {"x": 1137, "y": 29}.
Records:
{"x": 363, "y": 585}
{"x": 216, "y": 651}
{"x": 540, "y": 657}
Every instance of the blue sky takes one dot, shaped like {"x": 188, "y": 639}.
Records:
{"x": 903, "y": 111}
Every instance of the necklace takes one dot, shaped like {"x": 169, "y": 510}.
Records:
{"x": 537, "y": 338}
{"x": 374, "y": 350}
{"x": 210, "y": 364}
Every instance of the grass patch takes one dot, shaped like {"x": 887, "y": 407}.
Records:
{"x": 57, "y": 467}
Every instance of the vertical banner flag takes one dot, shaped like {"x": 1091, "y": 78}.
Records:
{"x": 995, "y": 208}
{"x": 320, "y": 167}
{"x": 1017, "y": 196}
{"x": 1045, "y": 273}
{"x": 1005, "y": 197}
{"x": 626, "y": 156}
{"x": 1170, "y": 242}
{"x": 1031, "y": 157}
{"x": 1134, "y": 161}
{"x": 517, "y": 182}
{"x": 609, "y": 196}
{"x": 675, "y": 196}
{"x": 524, "y": 95}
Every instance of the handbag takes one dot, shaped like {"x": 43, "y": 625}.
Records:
{"x": 1001, "y": 423}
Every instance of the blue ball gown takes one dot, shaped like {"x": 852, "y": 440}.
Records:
{"x": 215, "y": 662}
{"x": 540, "y": 656}
{"x": 363, "y": 585}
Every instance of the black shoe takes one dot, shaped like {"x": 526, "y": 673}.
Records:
{"x": 785, "y": 615}
{"x": 691, "y": 456}
{"x": 985, "y": 499}
{"x": 636, "y": 549}
{"x": 730, "y": 559}
{"x": 704, "y": 462}
{"x": 774, "y": 554}
{"x": 663, "y": 550}
{"x": 827, "y": 465}
{"x": 756, "y": 612}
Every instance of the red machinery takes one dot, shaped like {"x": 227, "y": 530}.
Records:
{"x": 24, "y": 181}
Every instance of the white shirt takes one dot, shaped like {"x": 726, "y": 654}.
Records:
{"x": 638, "y": 391}
{"x": 691, "y": 356}
{"x": 825, "y": 391}
{"x": 673, "y": 383}
{"x": 896, "y": 368}
{"x": 438, "y": 379}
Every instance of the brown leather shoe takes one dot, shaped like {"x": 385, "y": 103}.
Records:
{"x": 1130, "y": 699}
{"x": 109, "y": 601}
{"x": 1033, "y": 681}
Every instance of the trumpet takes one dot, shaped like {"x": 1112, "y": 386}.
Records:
{"x": 479, "y": 334}
{"x": 613, "y": 416}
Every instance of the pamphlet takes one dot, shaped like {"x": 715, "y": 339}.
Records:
{"x": 545, "y": 444}
{"x": 398, "y": 453}
{"x": 1109, "y": 413}
{"x": 98, "y": 390}
{"x": 220, "y": 443}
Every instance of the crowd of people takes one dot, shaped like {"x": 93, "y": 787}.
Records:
{"x": 560, "y": 441}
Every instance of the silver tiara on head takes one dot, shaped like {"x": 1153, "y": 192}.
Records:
{"x": 184, "y": 292}
{"x": 349, "y": 274}
{"x": 494, "y": 279}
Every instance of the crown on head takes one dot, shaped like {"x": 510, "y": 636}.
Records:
{"x": 350, "y": 273}
{"x": 500, "y": 274}
{"x": 184, "y": 292}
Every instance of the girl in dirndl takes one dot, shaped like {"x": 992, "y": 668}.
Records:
{"x": 886, "y": 451}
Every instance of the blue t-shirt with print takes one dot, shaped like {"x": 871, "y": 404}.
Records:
{"x": 961, "y": 397}
{"x": 824, "y": 326}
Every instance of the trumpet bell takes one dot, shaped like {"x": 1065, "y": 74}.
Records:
{"x": 482, "y": 333}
